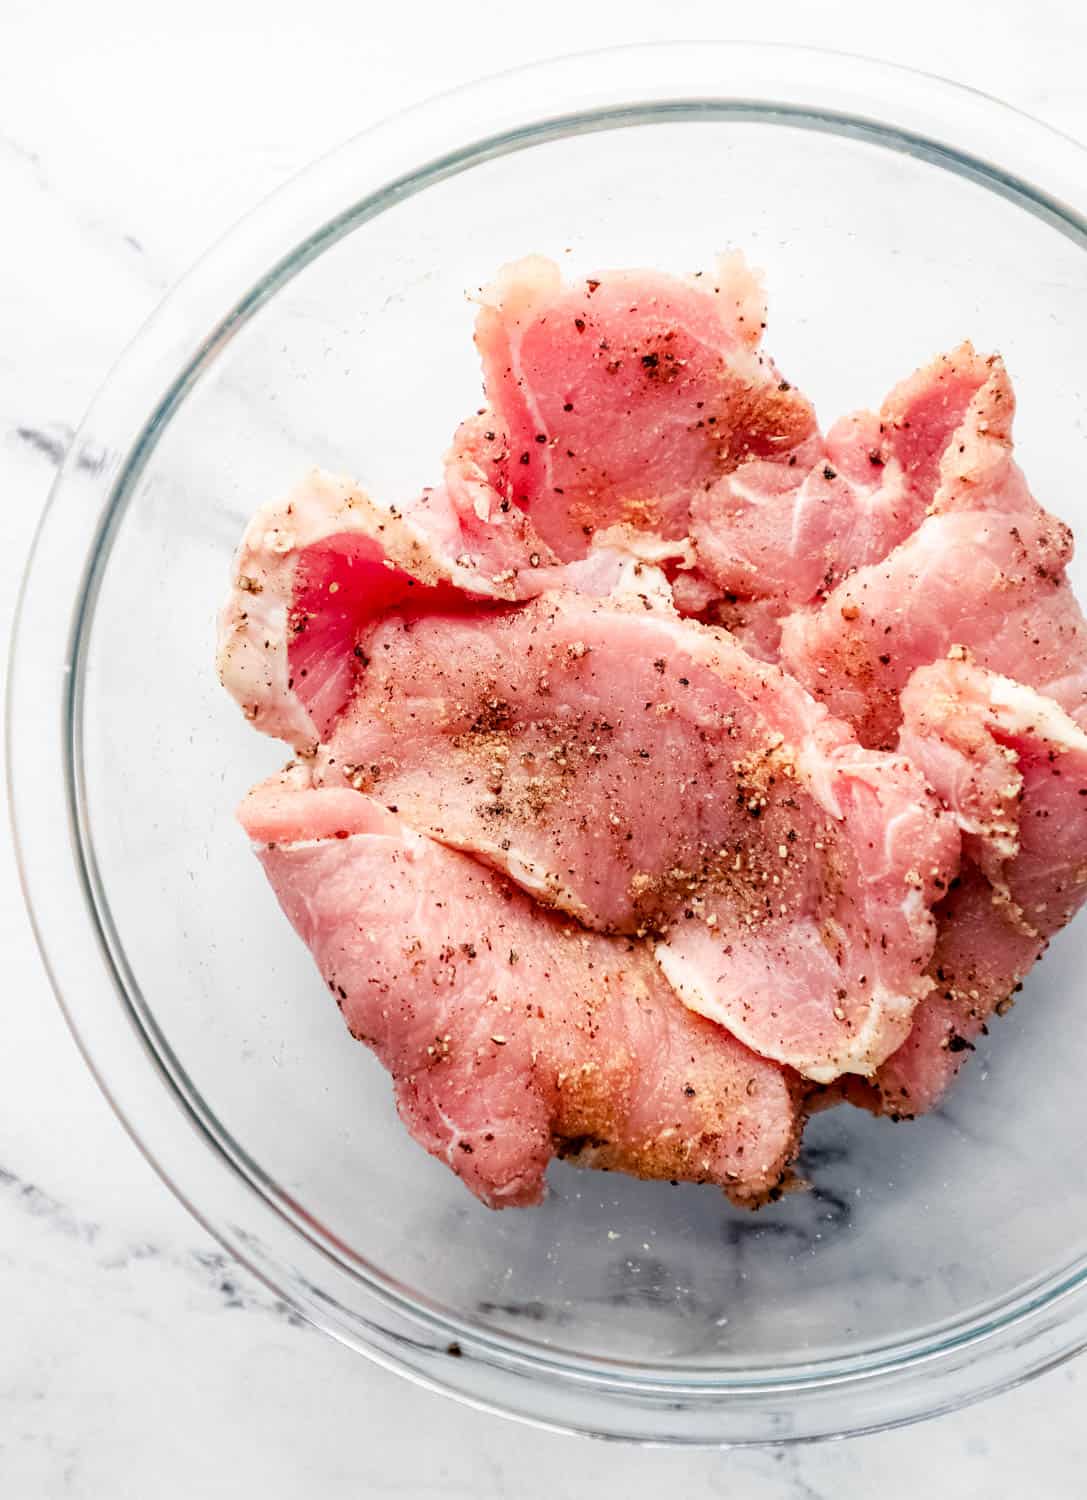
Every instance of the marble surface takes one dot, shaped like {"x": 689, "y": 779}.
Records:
{"x": 135, "y": 1358}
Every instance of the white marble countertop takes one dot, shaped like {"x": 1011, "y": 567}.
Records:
{"x": 135, "y": 1359}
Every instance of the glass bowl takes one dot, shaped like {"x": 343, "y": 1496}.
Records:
{"x": 893, "y": 215}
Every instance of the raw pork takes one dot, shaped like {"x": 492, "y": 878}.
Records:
{"x": 311, "y": 569}
{"x": 791, "y": 527}
{"x": 645, "y": 774}
{"x": 992, "y": 583}
{"x": 1011, "y": 768}
{"x": 985, "y": 570}
{"x": 615, "y": 399}
{"x": 513, "y": 1036}
{"x": 544, "y": 798}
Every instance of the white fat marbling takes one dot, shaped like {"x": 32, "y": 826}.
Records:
{"x": 135, "y": 1359}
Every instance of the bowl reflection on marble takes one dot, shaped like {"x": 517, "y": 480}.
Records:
{"x": 893, "y": 215}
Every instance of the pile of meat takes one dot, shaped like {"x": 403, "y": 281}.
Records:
{"x": 672, "y": 768}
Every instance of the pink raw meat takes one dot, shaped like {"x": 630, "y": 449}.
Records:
{"x": 646, "y": 774}
{"x": 991, "y": 582}
{"x": 616, "y": 398}
{"x": 790, "y": 528}
{"x": 755, "y": 623}
{"x": 513, "y": 1036}
{"x": 1011, "y": 767}
{"x": 985, "y": 570}
{"x": 312, "y": 568}
{"x": 516, "y": 686}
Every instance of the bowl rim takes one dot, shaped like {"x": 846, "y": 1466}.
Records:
{"x": 951, "y": 127}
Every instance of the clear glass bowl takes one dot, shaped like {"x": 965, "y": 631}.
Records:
{"x": 894, "y": 215}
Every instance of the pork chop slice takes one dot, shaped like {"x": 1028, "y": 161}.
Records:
{"x": 791, "y": 527}
{"x": 312, "y": 567}
{"x": 616, "y": 398}
{"x": 646, "y": 775}
{"x": 1011, "y": 768}
{"x": 984, "y": 570}
{"x": 512, "y": 1035}
{"x": 991, "y": 582}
